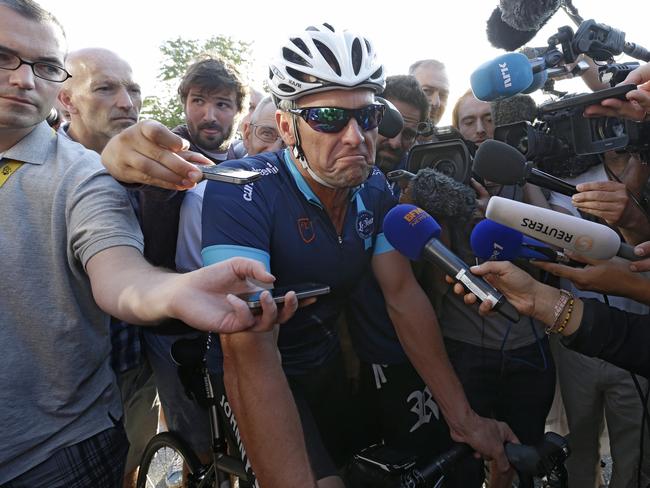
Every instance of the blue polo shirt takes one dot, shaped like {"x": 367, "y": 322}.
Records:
{"x": 279, "y": 221}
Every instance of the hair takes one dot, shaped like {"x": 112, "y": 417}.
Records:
{"x": 455, "y": 121}
{"x": 261, "y": 106}
{"x": 32, "y": 11}
{"x": 211, "y": 74}
{"x": 426, "y": 63}
{"x": 406, "y": 88}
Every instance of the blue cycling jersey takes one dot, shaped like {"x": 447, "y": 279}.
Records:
{"x": 279, "y": 221}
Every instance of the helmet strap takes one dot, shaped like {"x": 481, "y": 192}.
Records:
{"x": 299, "y": 154}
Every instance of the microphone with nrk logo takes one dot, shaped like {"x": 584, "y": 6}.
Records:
{"x": 414, "y": 233}
{"x": 590, "y": 239}
{"x": 496, "y": 242}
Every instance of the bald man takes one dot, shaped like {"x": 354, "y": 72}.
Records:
{"x": 101, "y": 97}
{"x": 102, "y": 100}
{"x": 260, "y": 134}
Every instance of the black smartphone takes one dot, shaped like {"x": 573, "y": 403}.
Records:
{"x": 386, "y": 459}
{"x": 229, "y": 175}
{"x": 399, "y": 175}
{"x": 588, "y": 99}
{"x": 303, "y": 290}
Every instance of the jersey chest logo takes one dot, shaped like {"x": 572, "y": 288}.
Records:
{"x": 365, "y": 224}
{"x": 306, "y": 229}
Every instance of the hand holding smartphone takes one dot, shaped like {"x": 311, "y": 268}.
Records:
{"x": 236, "y": 176}
{"x": 303, "y": 290}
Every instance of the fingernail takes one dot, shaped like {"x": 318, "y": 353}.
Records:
{"x": 194, "y": 175}
{"x": 187, "y": 183}
{"x": 639, "y": 251}
{"x": 633, "y": 268}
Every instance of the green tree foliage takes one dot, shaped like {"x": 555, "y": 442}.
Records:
{"x": 178, "y": 54}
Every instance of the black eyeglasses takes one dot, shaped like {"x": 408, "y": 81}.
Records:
{"x": 265, "y": 133}
{"x": 334, "y": 119}
{"x": 47, "y": 71}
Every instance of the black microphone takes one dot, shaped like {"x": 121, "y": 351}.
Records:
{"x": 392, "y": 122}
{"x": 442, "y": 196}
{"x": 498, "y": 162}
{"x": 414, "y": 233}
{"x": 516, "y": 22}
{"x": 515, "y": 109}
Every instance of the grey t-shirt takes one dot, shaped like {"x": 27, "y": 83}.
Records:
{"x": 57, "y": 210}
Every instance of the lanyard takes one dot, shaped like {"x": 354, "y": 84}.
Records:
{"x": 7, "y": 169}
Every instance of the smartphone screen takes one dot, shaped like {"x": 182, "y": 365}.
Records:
{"x": 303, "y": 290}
{"x": 236, "y": 176}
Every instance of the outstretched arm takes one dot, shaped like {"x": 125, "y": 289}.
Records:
{"x": 127, "y": 287}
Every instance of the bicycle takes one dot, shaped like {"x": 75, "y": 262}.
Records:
{"x": 168, "y": 461}
{"x": 384, "y": 468}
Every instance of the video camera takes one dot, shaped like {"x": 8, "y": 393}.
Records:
{"x": 562, "y": 134}
{"x": 449, "y": 154}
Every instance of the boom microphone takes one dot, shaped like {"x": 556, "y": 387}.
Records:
{"x": 498, "y": 162}
{"x": 516, "y": 22}
{"x": 496, "y": 242}
{"x": 414, "y": 233}
{"x": 584, "y": 237}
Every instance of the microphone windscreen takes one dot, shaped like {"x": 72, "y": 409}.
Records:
{"x": 515, "y": 109}
{"x": 408, "y": 229}
{"x": 498, "y": 162}
{"x": 528, "y": 15}
{"x": 557, "y": 229}
{"x": 495, "y": 242}
{"x": 503, "y": 36}
{"x": 392, "y": 122}
{"x": 502, "y": 77}
{"x": 441, "y": 196}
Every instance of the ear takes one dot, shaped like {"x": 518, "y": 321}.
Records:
{"x": 285, "y": 127}
{"x": 65, "y": 99}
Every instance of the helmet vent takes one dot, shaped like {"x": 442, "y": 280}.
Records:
{"x": 295, "y": 58}
{"x": 286, "y": 88}
{"x": 328, "y": 55}
{"x": 299, "y": 75}
{"x": 329, "y": 26}
{"x": 377, "y": 74}
{"x": 357, "y": 56}
{"x": 300, "y": 44}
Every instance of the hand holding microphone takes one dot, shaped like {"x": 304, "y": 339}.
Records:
{"x": 415, "y": 233}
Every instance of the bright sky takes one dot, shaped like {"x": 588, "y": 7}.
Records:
{"x": 451, "y": 31}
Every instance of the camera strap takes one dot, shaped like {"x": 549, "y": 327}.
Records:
{"x": 7, "y": 168}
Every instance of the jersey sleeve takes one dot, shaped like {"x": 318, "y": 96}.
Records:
{"x": 236, "y": 222}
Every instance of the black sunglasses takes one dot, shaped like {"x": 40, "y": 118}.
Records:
{"x": 334, "y": 119}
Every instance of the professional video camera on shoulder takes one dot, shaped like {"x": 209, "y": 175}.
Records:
{"x": 449, "y": 154}
{"x": 562, "y": 133}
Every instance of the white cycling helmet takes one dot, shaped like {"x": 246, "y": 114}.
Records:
{"x": 322, "y": 58}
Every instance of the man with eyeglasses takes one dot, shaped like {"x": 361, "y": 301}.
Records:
{"x": 72, "y": 256}
{"x": 260, "y": 133}
{"x": 315, "y": 215}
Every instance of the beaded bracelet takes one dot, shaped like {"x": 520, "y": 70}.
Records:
{"x": 567, "y": 317}
{"x": 559, "y": 307}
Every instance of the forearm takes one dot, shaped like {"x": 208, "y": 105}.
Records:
{"x": 125, "y": 286}
{"x": 419, "y": 333}
{"x": 267, "y": 417}
{"x": 533, "y": 195}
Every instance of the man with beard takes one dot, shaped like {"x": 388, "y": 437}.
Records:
{"x": 432, "y": 77}
{"x": 405, "y": 93}
{"x": 212, "y": 96}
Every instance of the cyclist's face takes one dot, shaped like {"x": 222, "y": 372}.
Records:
{"x": 343, "y": 159}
